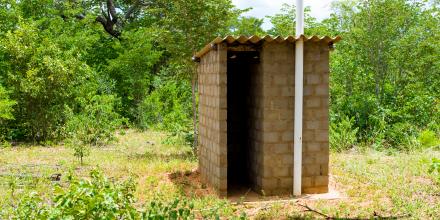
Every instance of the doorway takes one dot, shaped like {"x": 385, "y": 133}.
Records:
{"x": 241, "y": 66}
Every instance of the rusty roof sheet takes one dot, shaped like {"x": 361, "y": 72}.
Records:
{"x": 255, "y": 40}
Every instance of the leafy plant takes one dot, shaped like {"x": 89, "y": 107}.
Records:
{"x": 400, "y": 135}
{"x": 5, "y": 105}
{"x": 435, "y": 167}
{"x": 80, "y": 151}
{"x": 169, "y": 108}
{"x": 95, "y": 123}
{"x": 6, "y": 109}
{"x": 343, "y": 134}
{"x": 175, "y": 210}
{"x": 428, "y": 138}
{"x": 96, "y": 197}
{"x": 44, "y": 75}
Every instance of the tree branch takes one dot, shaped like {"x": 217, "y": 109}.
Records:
{"x": 112, "y": 11}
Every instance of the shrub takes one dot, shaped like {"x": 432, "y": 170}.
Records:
{"x": 342, "y": 134}
{"x": 95, "y": 198}
{"x": 175, "y": 210}
{"x": 29, "y": 207}
{"x": 5, "y": 105}
{"x": 435, "y": 167}
{"x": 44, "y": 76}
{"x": 95, "y": 122}
{"x": 168, "y": 108}
{"x": 5, "y": 112}
{"x": 428, "y": 138}
{"x": 133, "y": 69}
{"x": 401, "y": 136}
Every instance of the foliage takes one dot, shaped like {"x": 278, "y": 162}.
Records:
{"x": 384, "y": 76}
{"x": 400, "y": 135}
{"x": 93, "y": 123}
{"x": 53, "y": 54}
{"x": 435, "y": 167}
{"x": 248, "y": 26}
{"x": 5, "y": 105}
{"x": 29, "y": 207}
{"x": 133, "y": 70}
{"x": 6, "y": 109}
{"x": 343, "y": 134}
{"x": 96, "y": 198}
{"x": 428, "y": 138}
{"x": 175, "y": 210}
{"x": 209, "y": 18}
{"x": 168, "y": 108}
{"x": 284, "y": 22}
{"x": 80, "y": 151}
{"x": 44, "y": 76}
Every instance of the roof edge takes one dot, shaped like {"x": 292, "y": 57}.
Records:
{"x": 256, "y": 39}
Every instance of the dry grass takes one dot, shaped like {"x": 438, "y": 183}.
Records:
{"x": 375, "y": 184}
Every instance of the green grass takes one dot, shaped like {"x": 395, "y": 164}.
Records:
{"x": 373, "y": 183}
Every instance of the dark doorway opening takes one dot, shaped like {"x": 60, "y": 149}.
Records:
{"x": 241, "y": 66}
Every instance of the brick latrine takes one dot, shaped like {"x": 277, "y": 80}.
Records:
{"x": 212, "y": 118}
{"x": 259, "y": 74}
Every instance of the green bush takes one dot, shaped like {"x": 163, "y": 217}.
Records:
{"x": 435, "y": 167}
{"x": 5, "y": 105}
{"x": 169, "y": 108}
{"x": 44, "y": 74}
{"x": 94, "y": 122}
{"x": 343, "y": 134}
{"x": 428, "y": 138}
{"x": 31, "y": 206}
{"x": 6, "y": 108}
{"x": 401, "y": 136}
{"x": 176, "y": 210}
{"x": 134, "y": 69}
{"x": 95, "y": 198}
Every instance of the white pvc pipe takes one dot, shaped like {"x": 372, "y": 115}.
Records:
{"x": 299, "y": 63}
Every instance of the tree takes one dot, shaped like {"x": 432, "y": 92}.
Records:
{"x": 134, "y": 69}
{"x": 115, "y": 15}
{"x": 6, "y": 105}
{"x": 284, "y": 22}
{"x": 383, "y": 71}
{"x": 248, "y": 26}
{"x": 209, "y": 18}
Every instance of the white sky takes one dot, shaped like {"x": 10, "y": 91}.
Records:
{"x": 320, "y": 9}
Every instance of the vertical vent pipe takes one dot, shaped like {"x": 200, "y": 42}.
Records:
{"x": 299, "y": 63}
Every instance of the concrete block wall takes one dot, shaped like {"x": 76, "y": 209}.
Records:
{"x": 273, "y": 119}
{"x": 316, "y": 118}
{"x": 212, "y": 119}
{"x": 276, "y": 117}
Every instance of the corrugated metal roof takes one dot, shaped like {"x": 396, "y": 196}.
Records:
{"x": 267, "y": 38}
